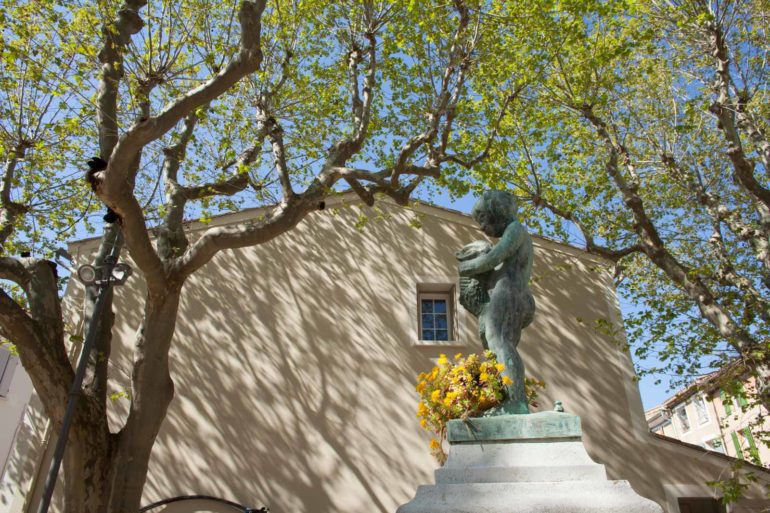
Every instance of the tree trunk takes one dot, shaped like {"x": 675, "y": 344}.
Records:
{"x": 152, "y": 392}
{"x": 87, "y": 465}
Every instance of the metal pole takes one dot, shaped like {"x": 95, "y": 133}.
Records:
{"x": 61, "y": 443}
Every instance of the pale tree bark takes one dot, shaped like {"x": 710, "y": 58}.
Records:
{"x": 655, "y": 249}
{"x": 128, "y": 451}
{"x": 106, "y": 472}
{"x": 10, "y": 210}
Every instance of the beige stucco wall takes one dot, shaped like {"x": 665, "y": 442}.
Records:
{"x": 295, "y": 362}
{"x": 12, "y": 407}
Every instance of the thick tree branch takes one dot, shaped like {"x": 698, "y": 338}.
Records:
{"x": 248, "y": 61}
{"x": 12, "y": 269}
{"x": 275, "y": 135}
{"x": 172, "y": 240}
{"x": 726, "y": 109}
{"x": 757, "y": 238}
{"x": 656, "y": 250}
{"x": 361, "y": 101}
{"x": 115, "y": 37}
{"x": 277, "y": 221}
{"x": 10, "y": 211}
{"x": 445, "y": 103}
{"x": 296, "y": 206}
{"x": 171, "y": 236}
{"x": 614, "y": 255}
{"x": 95, "y": 381}
{"x": 115, "y": 184}
{"x": 38, "y": 331}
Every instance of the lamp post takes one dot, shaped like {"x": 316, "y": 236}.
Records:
{"x": 103, "y": 277}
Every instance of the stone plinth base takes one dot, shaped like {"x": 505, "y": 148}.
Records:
{"x": 523, "y": 463}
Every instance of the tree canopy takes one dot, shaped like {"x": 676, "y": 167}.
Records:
{"x": 188, "y": 109}
{"x": 644, "y": 139}
{"x": 637, "y": 128}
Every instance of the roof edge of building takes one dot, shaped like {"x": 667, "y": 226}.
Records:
{"x": 703, "y": 450}
{"x": 350, "y": 198}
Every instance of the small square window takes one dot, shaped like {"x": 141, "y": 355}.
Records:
{"x": 435, "y": 316}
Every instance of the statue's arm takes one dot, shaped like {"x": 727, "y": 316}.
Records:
{"x": 508, "y": 245}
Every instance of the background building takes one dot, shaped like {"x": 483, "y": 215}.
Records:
{"x": 702, "y": 414}
{"x": 295, "y": 364}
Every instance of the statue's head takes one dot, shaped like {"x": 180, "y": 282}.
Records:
{"x": 494, "y": 211}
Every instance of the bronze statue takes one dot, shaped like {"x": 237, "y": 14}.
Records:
{"x": 494, "y": 286}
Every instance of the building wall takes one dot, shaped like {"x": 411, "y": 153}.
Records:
{"x": 731, "y": 427}
{"x": 14, "y": 396}
{"x": 698, "y": 430}
{"x": 295, "y": 364}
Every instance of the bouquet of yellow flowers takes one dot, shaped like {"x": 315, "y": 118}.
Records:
{"x": 457, "y": 390}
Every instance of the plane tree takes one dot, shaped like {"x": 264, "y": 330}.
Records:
{"x": 646, "y": 142}
{"x": 188, "y": 109}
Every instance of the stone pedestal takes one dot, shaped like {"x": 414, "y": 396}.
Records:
{"x": 532, "y": 463}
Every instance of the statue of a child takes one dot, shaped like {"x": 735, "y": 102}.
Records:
{"x": 494, "y": 286}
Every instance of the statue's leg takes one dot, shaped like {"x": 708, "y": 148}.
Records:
{"x": 504, "y": 347}
{"x": 516, "y": 401}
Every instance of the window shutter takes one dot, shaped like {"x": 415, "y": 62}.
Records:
{"x": 742, "y": 398}
{"x": 737, "y": 444}
{"x": 752, "y": 446}
{"x": 726, "y": 402}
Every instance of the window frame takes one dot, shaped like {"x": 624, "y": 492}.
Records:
{"x": 686, "y": 425}
{"x": 702, "y": 400}
{"x": 447, "y": 296}
{"x": 719, "y": 446}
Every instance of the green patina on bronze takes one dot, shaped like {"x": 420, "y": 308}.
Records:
{"x": 547, "y": 425}
{"x": 494, "y": 286}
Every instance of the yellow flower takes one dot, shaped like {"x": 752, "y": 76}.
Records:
{"x": 450, "y": 396}
{"x": 435, "y": 395}
{"x": 424, "y": 423}
{"x": 484, "y": 376}
{"x": 458, "y": 356}
{"x": 420, "y": 386}
{"x": 499, "y": 367}
{"x": 434, "y": 444}
{"x": 442, "y": 359}
{"x": 507, "y": 380}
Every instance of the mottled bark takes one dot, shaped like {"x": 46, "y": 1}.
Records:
{"x": 10, "y": 211}
{"x": 658, "y": 253}
{"x": 152, "y": 390}
{"x": 107, "y": 472}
